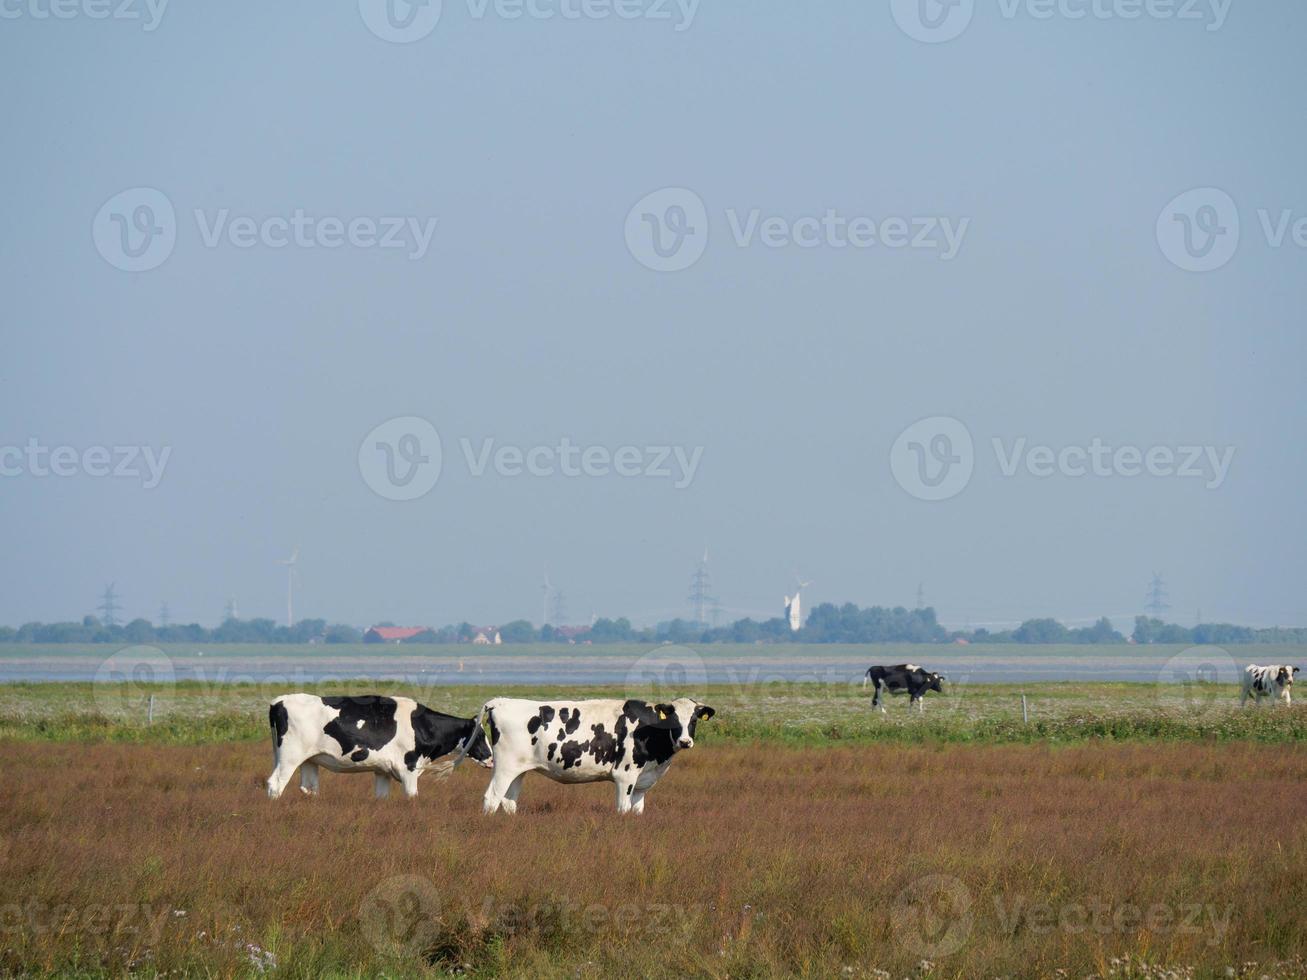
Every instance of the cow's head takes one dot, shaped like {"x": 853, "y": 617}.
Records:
{"x": 935, "y": 682}
{"x": 1284, "y": 678}
{"x": 479, "y": 751}
{"x": 680, "y": 717}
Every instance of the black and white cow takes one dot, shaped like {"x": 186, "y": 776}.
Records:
{"x": 394, "y": 738}
{"x": 1274, "y": 682}
{"x": 909, "y": 678}
{"x": 630, "y": 743}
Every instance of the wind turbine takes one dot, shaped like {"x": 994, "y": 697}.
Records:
{"x": 290, "y": 584}
{"x": 544, "y": 609}
{"x": 792, "y": 610}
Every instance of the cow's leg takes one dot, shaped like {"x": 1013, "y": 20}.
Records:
{"x": 625, "y": 790}
{"x": 309, "y": 778}
{"x": 510, "y": 795}
{"x": 496, "y": 792}
{"x": 1243, "y": 698}
{"x": 875, "y": 698}
{"x": 381, "y": 785}
{"x": 282, "y": 774}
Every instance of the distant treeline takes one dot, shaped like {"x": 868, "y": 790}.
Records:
{"x": 827, "y": 623}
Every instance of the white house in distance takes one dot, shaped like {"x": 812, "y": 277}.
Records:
{"x": 487, "y": 636}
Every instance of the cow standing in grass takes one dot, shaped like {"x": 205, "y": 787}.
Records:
{"x": 629, "y": 743}
{"x": 903, "y": 679}
{"x": 1274, "y": 682}
{"x": 396, "y": 739}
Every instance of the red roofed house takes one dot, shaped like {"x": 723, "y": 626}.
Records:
{"x": 392, "y": 634}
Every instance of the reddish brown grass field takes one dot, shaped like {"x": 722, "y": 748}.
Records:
{"x": 750, "y": 861}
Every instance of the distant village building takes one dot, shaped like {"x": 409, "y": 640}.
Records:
{"x": 487, "y": 636}
{"x": 392, "y": 634}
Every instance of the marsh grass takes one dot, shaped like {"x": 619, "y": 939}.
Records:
{"x": 751, "y": 861}
{"x": 790, "y": 713}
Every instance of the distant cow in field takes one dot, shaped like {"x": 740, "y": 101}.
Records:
{"x": 630, "y": 743}
{"x": 903, "y": 678}
{"x": 393, "y": 738}
{"x": 1274, "y": 682}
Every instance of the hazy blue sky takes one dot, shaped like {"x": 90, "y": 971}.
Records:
{"x": 528, "y": 319}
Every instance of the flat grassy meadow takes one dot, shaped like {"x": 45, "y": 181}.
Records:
{"x": 795, "y": 713}
{"x": 752, "y": 860}
{"x": 1113, "y": 830}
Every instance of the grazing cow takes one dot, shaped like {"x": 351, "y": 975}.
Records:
{"x": 916, "y": 681}
{"x": 393, "y": 738}
{"x": 1272, "y": 682}
{"x": 629, "y": 743}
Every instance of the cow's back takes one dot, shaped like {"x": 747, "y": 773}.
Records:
{"x": 571, "y": 741}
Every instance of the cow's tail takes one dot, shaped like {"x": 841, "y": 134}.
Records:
{"x": 441, "y": 770}
{"x": 467, "y": 743}
{"x": 865, "y": 677}
{"x": 278, "y": 724}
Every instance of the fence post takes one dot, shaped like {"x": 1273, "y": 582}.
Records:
{"x": 1025, "y": 713}
{"x": 149, "y": 715}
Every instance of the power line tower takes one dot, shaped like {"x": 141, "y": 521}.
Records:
{"x": 921, "y": 595}
{"x": 701, "y": 596}
{"x": 165, "y": 619}
{"x": 109, "y": 606}
{"x": 230, "y": 612}
{"x": 558, "y": 608}
{"x": 1155, "y": 601}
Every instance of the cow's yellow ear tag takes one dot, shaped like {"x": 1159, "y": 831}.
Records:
{"x": 662, "y": 715}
